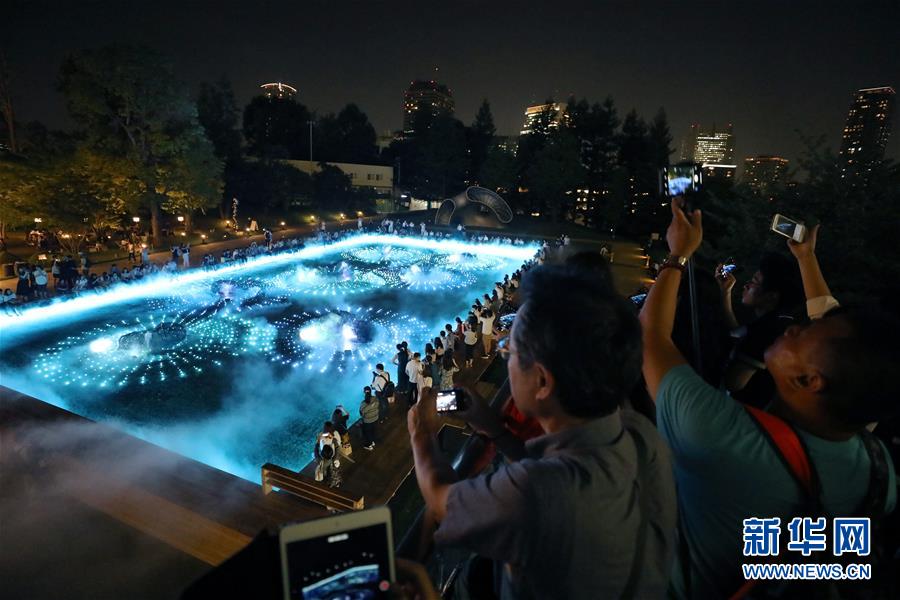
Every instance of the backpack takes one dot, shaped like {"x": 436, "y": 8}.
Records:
{"x": 792, "y": 452}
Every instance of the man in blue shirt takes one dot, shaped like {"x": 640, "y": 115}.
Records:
{"x": 832, "y": 376}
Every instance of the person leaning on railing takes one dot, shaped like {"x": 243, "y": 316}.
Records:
{"x": 586, "y": 510}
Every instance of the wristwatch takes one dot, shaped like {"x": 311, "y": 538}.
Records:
{"x": 674, "y": 262}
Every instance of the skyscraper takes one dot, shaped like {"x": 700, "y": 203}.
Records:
{"x": 713, "y": 150}
{"x": 425, "y": 96}
{"x": 534, "y": 113}
{"x": 765, "y": 174}
{"x": 867, "y": 130}
{"x": 278, "y": 90}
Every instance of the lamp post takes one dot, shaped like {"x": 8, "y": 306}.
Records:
{"x": 310, "y": 122}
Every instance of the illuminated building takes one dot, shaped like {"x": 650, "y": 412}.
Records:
{"x": 429, "y": 96}
{"x": 867, "y": 130}
{"x": 278, "y": 90}
{"x": 765, "y": 174}
{"x": 534, "y": 113}
{"x": 713, "y": 150}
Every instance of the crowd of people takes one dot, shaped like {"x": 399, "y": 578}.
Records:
{"x": 592, "y": 499}
{"x": 435, "y": 366}
{"x": 67, "y": 275}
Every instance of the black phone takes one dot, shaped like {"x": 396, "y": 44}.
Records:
{"x": 452, "y": 400}
{"x": 678, "y": 180}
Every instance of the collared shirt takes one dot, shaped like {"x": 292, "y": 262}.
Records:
{"x": 566, "y": 520}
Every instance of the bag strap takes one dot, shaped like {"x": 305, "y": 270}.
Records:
{"x": 792, "y": 452}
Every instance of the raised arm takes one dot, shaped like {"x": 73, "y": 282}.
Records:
{"x": 814, "y": 285}
{"x": 433, "y": 472}
{"x": 658, "y": 314}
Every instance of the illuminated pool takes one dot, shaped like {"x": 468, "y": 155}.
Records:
{"x": 240, "y": 366}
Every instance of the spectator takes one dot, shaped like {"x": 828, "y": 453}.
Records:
{"x": 720, "y": 449}
{"x": 772, "y": 294}
{"x": 380, "y": 381}
{"x": 368, "y": 410}
{"x": 470, "y": 339}
{"x": 448, "y": 368}
{"x": 487, "y": 331}
{"x": 413, "y": 370}
{"x": 401, "y": 359}
{"x": 40, "y": 282}
{"x": 590, "y": 510}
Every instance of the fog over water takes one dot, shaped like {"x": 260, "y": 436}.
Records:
{"x": 240, "y": 366}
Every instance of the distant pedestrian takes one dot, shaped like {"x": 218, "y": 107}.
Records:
{"x": 383, "y": 388}
{"x": 186, "y": 255}
{"x": 368, "y": 410}
{"x": 145, "y": 254}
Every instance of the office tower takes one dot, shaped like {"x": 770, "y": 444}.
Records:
{"x": 534, "y": 113}
{"x": 765, "y": 174}
{"x": 713, "y": 150}
{"x": 867, "y": 130}
{"x": 425, "y": 96}
{"x": 278, "y": 90}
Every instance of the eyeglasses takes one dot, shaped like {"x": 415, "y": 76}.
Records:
{"x": 503, "y": 349}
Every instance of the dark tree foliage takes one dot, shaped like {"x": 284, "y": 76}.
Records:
{"x": 432, "y": 163}
{"x": 130, "y": 106}
{"x": 857, "y": 245}
{"x": 277, "y": 128}
{"x": 346, "y": 137}
{"x": 498, "y": 171}
{"x": 218, "y": 113}
{"x": 555, "y": 173}
{"x": 265, "y": 185}
{"x": 479, "y": 138}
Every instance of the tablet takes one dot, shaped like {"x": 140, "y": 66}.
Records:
{"x": 349, "y": 555}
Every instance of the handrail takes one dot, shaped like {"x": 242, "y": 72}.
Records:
{"x": 418, "y": 541}
{"x": 309, "y": 489}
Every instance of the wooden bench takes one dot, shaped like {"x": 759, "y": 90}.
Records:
{"x": 309, "y": 489}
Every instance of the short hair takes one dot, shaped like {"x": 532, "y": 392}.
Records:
{"x": 417, "y": 355}
{"x": 860, "y": 367}
{"x": 782, "y": 276}
{"x": 380, "y": 366}
{"x": 592, "y": 348}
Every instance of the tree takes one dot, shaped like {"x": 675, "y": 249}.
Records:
{"x": 498, "y": 171}
{"x": 130, "y": 105}
{"x": 556, "y": 171}
{"x": 6, "y": 106}
{"x": 218, "y": 113}
{"x": 432, "y": 163}
{"x": 264, "y": 185}
{"x": 479, "y": 137}
{"x": 333, "y": 188}
{"x": 277, "y": 128}
{"x": 346, "y": 137}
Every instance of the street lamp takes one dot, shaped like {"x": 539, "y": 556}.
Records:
{"x": 180, "y": 219}
{"x": 38, "y": 220}
{"x": 136, "y": 219}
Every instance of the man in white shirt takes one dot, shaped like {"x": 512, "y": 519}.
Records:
{"x": 487, "y": 330}
{"x": 414, "y": 372}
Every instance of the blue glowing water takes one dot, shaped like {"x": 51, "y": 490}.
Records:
{"x": 240, "y": 366}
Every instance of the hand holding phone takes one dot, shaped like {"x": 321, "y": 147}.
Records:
{"x": 789, "y": 228}
{"x": 451, "y": 400}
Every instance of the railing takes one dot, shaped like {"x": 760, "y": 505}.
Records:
{"x": 309, "y": 489}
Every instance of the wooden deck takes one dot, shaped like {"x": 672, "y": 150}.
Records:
{"x": 202, "y": 511}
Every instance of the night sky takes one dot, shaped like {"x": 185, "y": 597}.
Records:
{"x": 770, "y": 68}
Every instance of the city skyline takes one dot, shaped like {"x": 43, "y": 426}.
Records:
{"x": 795, "y": 80}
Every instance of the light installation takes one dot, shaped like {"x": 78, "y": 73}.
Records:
{"x": 240, "y": 365}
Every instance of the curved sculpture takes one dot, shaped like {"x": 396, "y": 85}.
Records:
{"x": 476, "y": 206}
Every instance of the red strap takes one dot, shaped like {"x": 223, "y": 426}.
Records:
{"x": 788, "y": 445}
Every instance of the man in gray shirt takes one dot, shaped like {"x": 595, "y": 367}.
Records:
{"x": 586, "y": 510}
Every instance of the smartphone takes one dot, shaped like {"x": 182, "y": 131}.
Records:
{"x": 789, "y": 228}
{"x": 638, "y": 299}
{"x": 676, "y": 180}
{"x": 346, "y": 556}
{"x": 451, "y": 400}
{"x": 729, "y": 268}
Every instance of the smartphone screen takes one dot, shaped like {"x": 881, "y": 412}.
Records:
{"x": 680, "y": 179}
{"x": 788, "y": 228}
{"x": 639, "y": 298}
{"x": 346, "y": 564}
{"x": 447, "y": 401}
{"x": 728, "y": 268}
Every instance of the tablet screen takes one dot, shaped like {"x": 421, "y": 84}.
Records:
{"x": 352, "y": 565}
